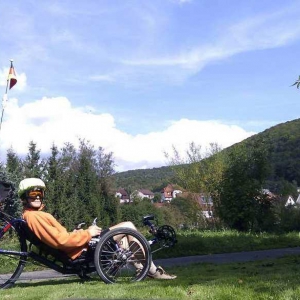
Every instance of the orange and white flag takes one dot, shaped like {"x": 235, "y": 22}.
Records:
{"x": 12, "y": 78}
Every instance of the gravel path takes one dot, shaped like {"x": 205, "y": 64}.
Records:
{"x": 180, "y": 261}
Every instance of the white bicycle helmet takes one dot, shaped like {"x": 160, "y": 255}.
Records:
{"x": 30, "y": 184}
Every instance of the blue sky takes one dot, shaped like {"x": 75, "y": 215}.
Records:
{"x": 137, "y": 77}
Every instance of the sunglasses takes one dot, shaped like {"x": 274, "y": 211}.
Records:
{"x": 35, "y": 194}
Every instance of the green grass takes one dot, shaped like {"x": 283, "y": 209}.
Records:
{"x": 269, "y": 279}
{"x": 208, "y": 242}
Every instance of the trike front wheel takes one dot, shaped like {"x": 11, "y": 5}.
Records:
{"x": 122, "y": 255}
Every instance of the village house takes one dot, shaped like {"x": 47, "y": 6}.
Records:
{"x": 205, "y": 202}
{"x": 290, "y": 201}
{"x": 169, "y": 193}
{"x": 122, "y": 195}
{"x": 142, "y": 193}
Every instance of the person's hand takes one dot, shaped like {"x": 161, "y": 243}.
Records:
{"x": 94, "y": 230}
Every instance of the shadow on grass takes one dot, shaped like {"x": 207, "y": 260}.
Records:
{"x": 55, "y": 281}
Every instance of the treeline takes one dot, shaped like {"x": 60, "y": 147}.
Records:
{"x": 154, "y": 179}
{"x": 282, "y": 141}
{"x": 81, "y": 183}
{"x": 78, "y": 181}
{"x": 236, "y": 180}
{"x": 80, "y": 186}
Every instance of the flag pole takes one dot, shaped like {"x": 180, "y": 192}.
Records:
{"x": 4, "y": 99}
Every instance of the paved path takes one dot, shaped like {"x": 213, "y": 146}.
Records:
{"x": 180, "y": 261}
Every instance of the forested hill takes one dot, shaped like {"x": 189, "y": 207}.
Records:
{"x": 153, "y": 179}
{"x": 283, "y": 140}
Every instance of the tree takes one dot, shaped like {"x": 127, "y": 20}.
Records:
{"x": 13, "y": 164}
{"x": 12, "y": 205}
{"x": 69, "y": 205}
{"x": 54, "y": 182}
{"x": 240, "y": 192}
{"x": 198, "y": 172}
{"x": 190, "y": 210}
{"x": 13, "y": 170}
{"x": 105, "y": 170}
{"x": 33, "y": 165}
{"x": 86, "y": 183}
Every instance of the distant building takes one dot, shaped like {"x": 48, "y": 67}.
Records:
{"x": 169, "y": 193}
{"x": 290, "y": 201}
{"x": 122, "y": 195}
{"x": 143, "y": 193}
{"x": 205, "y": 202}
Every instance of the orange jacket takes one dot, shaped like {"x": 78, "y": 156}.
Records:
{"x": 52, "y": 233}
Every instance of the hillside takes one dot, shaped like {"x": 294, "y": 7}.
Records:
{"x": 283, "y": 140}
{"x": 153, "y": 179}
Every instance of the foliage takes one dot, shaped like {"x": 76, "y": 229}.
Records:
{"x": 153, "y": 179}
{"x": 33, "y": 165}
{"x": 12, "y": 205}
{"x": 287, "y": 217}
{"x": 81, "y": 182}
{"x": 242, "y": 205}
{"x": 191, "y": 212}
{"x": 13, "y": 164}
{"x": 137, "y": 210}
{"x": 198, "y": 172}
{"x": 282, "y": 141}
{"x": 77, "y": 181}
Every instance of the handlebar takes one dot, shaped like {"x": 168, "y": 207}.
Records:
{"x": 79, "y": 226}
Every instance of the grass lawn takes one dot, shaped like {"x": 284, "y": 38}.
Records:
{"x": 208, "y": 242}
{"x": 269, "y": 279}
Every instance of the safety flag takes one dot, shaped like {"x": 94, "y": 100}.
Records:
{"x": 12, "y": 78}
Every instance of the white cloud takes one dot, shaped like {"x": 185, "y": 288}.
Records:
{"x": 265, "y": 31}
{"x": 54, "y": 120}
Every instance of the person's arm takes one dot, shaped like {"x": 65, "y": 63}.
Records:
{"x": 52, "y": 233}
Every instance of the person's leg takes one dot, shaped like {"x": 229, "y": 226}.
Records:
{"x": 131, "y": 242}
{"x": 154, "y": 271}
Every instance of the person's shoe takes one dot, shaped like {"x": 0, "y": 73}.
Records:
{"x": 161, "y": 274}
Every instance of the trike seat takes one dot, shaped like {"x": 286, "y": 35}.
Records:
{"x": 44, "y": 249}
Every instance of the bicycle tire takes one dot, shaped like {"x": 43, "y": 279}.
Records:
{"x": 116, "y": 260}
{"x": 11, "y": 265}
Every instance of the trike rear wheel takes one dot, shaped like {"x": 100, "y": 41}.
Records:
{"x": 11, "y": 264}
{"x": 122, "y": 255}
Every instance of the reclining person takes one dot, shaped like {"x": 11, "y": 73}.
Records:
{"x": 31, "y": 192}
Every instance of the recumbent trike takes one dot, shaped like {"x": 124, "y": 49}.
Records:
{"x": 112, "y": 256}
